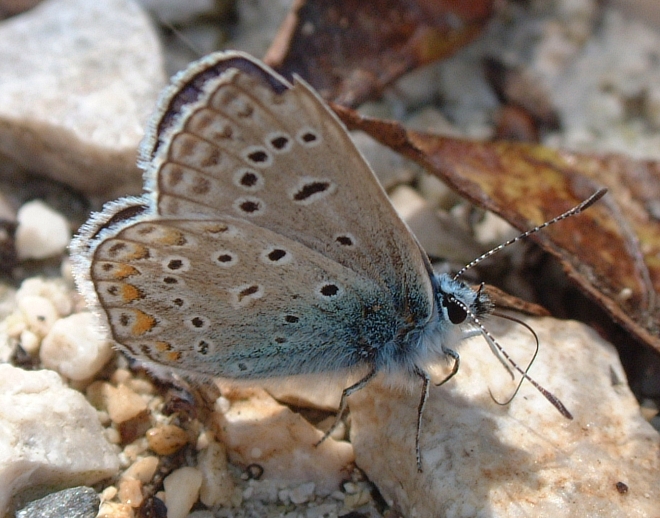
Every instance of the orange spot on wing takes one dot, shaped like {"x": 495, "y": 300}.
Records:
{"x": 122, "y": 271}
{"x": 138, "y": 252}
{"x": 171, "y": 237}
{"x": 130, "y": 293}
{"x": 173, "y": 356}
{"x": 163, "y": 347}
{"x": 143, "y": 323}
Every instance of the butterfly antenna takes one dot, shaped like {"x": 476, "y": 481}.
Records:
{"x": 187, "y": 42}
{"x": 536, "y": 352}
{"x": 554, "y": 400}
{"x": 572, "y": 212}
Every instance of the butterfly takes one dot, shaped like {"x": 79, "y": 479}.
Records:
{"x": 265, "y": 247}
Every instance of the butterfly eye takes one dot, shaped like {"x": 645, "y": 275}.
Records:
{"x": 455, "y": 311}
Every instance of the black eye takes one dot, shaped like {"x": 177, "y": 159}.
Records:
{"x": 455, "y": 311}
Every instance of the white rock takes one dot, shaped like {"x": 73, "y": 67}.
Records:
{"x": 78, "y": 80}
{"x": 258, "y": 430}
{"x": 41, "y": 232}
{"x": 181, "y": 491}
{"x": 50, "y": 435}
{"x": 523, "y": 459}
{"x": 74, "y": 348}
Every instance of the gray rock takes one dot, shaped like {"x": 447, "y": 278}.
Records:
{"x": 77, "y": 502}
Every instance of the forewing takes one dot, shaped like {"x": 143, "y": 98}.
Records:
{"x": 234, "y": 138}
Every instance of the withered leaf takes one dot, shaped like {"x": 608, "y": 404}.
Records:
{"x": 349, "y": 50}
{"x": 504, "y": 300}
{"x": 612, "y": 250}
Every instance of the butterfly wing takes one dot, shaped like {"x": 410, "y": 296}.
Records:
{"x": 270, "y": 305}
{"x": 234, "y": 138}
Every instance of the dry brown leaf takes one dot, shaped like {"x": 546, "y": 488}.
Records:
{"x": 503, "y": 300}
{"x": 612, "y": 251}
{"x": 349, "y": 50}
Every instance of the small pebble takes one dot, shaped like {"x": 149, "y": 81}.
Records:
{"x": 39, "y": 313}
{"x": 135, "y": 428}
{"x": 121, "y": 377}
{"x": 112, "y": 435}
{"x": 323, "y": 510}
{"x": 143, "y": 469}
{"x": 141, "y": 386}
{"x": 338, "y": 495}
{"x": 166, "y": 439}
{"x": 30, "y": 342}
{"x": 109, "y": 493}
{"x": 181, "y": 491}
{"x": 58, "y": 292}
{"x": 357, "y": 499}
{"x": 303, "y": 493}
{"x": 217, "y": 484}
{"x": 130, "y": 491}
{"x": 237, "y": 497}
{"x": 351, "y": 488}
{"x": 248, "y": 492}
{"x": 115, "y": 510}
{"x": 132, "y": 452}
{"x": 221, "y": 405}
{"x": 122, "y": 403}
{"x": 41, "y": 231}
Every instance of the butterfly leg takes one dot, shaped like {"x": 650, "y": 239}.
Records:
{"x": 343, "y": 401}
{"x": 426, "y": 380}
{"x": 454, "y": 370}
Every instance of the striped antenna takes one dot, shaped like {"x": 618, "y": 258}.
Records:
{"x": 572, "y": 212}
